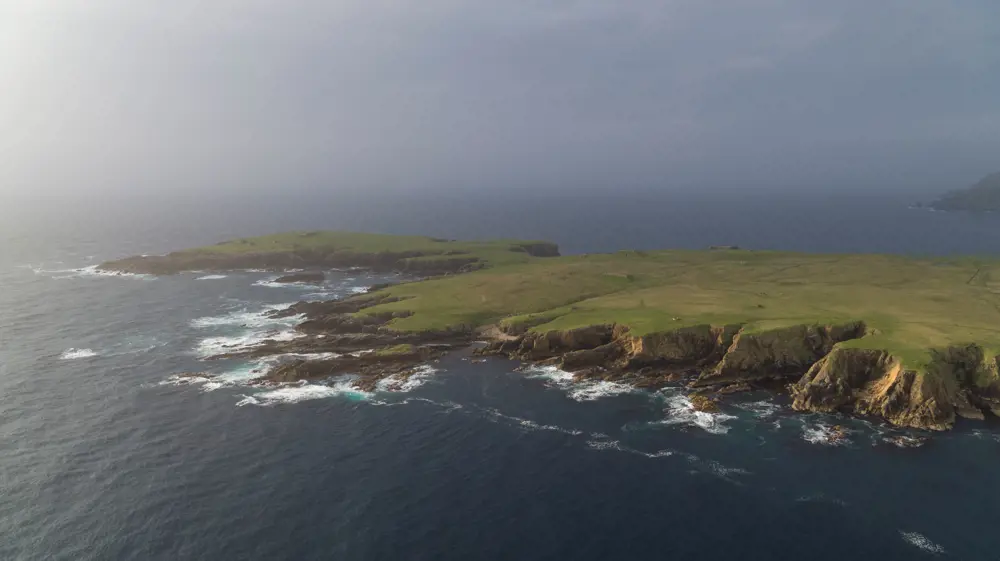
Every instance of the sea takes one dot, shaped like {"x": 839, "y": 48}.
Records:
{"x": 106, "y": 454}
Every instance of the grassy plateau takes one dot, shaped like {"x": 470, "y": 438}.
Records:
{"x": 909, "y": 305}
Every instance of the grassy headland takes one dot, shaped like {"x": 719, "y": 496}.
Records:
{"x": 317, "y": 249}
{"x": 909, "y": 305}
{"x": 914, "y": 341}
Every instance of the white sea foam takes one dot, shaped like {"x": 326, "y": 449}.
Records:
{"x": 211, "y": 277}
{"x": 583, "y": 390}
{"x": 824, "y": 434}
{"x": 725, "y": 471}
{"x": 590, "y": 391}
{"x": 272, "y": 283}
{"x": 88, "y": 272}
{"x": 615, "y": 445}
{"x": 321, "y": 295}
{"x": 680, "y": 411}
{"x": 761, "y": 409}
{"x": 248, "y": 319}
{"x": 527, "y": 424}
{"x": 920, "y": 541}
{"x": 73, "y": 354}
{"x": 400, "y": 384}
{"x": 212, "y": 346}
{"x": 304, "y": 392}
{"x": 243, "y": 374}
{"x": 189, "y": 380}
{"x": 359, "y": 289}
{"x": 904, "y": 441}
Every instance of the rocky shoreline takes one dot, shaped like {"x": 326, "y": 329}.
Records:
{"x": 806, "y": 361}
{"x": 718, "y": 321}
{"x": 332, "y": 339}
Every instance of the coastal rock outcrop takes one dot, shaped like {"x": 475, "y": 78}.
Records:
{"x": 692, "y": 347}
{"x": 542, "y": 345}
{"x": 336, "y": 337}
{"x": 305, "y": 278}
{"x": 777, "y": 353}
{"x": 958, "y": 382}
{"x": 369, "y": 367}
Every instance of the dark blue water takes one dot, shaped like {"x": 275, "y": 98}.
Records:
{"x": 104, "y": 454}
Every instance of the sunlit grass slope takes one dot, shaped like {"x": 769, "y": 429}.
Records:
{"x": 909, "y": 305}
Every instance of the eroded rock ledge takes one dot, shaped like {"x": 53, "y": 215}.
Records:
{"x": 824, "y": 375}
{"x": 334, "y": 339}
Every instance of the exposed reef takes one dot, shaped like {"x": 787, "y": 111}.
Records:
{"x": 306, "y": 278}
{"x": 334, "y": 339}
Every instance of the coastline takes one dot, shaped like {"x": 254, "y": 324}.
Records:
{"x": 611, "y": 318}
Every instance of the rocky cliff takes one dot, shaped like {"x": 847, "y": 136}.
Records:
{"x": 959, "y": 381}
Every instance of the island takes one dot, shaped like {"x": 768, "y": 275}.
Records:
{"x": 984, "y": 196}
{"x": 913, "y": 342}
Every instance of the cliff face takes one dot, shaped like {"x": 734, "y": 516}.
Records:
{"x": 689, "y": 346}
{"x": 959, "y": 381}
{"x": 778, "y": 352}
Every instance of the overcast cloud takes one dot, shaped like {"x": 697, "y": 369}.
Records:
{"x": 133, "y": 95}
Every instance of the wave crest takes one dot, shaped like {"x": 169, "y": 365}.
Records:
{"x": 73, "y": 354}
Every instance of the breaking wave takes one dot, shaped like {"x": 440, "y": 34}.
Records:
{"x": 211, "y": 277}
{"x": 402, "y": 384}
{"x": 582, "y": 390}
{"x": 88, "y": 272}
{"x": 761, "y": 409}
{"x": 73, "y": 354}
{"x": 920, "y": 541}
{"x": 304, "y": 392}
{"x": 242, "y": 375}
{"x": 680, "y": 411}
{"x": 824, "y": 434}
{"x": 244, "y": 318}
{"x": 272, "y": 283}
{"x": 213, "y": 346}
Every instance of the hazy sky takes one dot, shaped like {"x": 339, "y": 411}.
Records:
{"x": 117, "y": 96}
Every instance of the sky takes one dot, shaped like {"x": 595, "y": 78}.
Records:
{"x": 131, "y": 97}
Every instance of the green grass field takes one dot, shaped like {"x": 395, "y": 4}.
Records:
{"x": 910, "y": 305}
{"x": 493, "y": 252}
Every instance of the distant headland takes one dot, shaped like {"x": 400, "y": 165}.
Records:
{"x": 984, "y": 196}
{"x": 911, "y": 341}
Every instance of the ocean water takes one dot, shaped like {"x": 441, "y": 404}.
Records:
{"x": 106, "y": 454}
